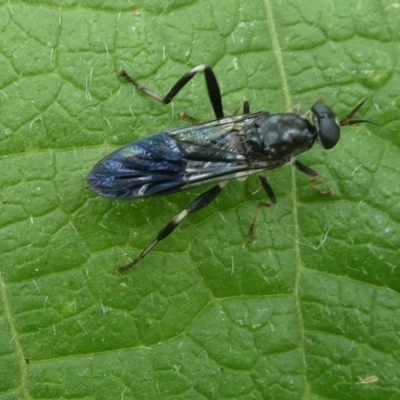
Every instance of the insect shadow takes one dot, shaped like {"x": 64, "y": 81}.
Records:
{"x": 213, "y": 152}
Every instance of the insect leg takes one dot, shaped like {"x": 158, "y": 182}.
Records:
{"x": 246, "y": 108}
{"x": 198, "y": 203}
{"x": 190, "y": 118}
{"x": 246, "y": 111}
{"x": 316, "y": 177}
{"x": 214, "y": 92}
{"x": 267, "y": 187}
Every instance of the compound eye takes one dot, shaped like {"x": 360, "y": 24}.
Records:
{"x": 328, "y": 129}
{"x": 320, "y": 111}
{"x": 329, "y": 133}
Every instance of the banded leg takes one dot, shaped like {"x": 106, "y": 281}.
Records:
{"x": 198, "y": 203}
{"x": 267, "y": 187}
{"x": 316, "y": 177}
{"x": 214, "y": 92}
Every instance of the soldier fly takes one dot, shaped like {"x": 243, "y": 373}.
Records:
{"x": 213, "y": 152}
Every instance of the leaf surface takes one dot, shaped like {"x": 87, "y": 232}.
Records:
{"x": 310, "y": 310}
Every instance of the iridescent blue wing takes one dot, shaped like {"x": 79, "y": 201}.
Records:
{"x": 173, "y": 161}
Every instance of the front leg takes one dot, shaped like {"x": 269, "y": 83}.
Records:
{"x": 268, "y": 189}
{"x": 316, "y": 177}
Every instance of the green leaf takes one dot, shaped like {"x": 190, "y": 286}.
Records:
{"x": 310, "y": 310}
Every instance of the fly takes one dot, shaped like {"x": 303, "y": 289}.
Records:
{"x": 212, "y": 153}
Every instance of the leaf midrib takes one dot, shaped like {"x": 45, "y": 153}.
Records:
{"x": 276, "y": 49}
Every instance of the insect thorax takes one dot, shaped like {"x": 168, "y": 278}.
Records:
{"x": 278, "y": 137}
